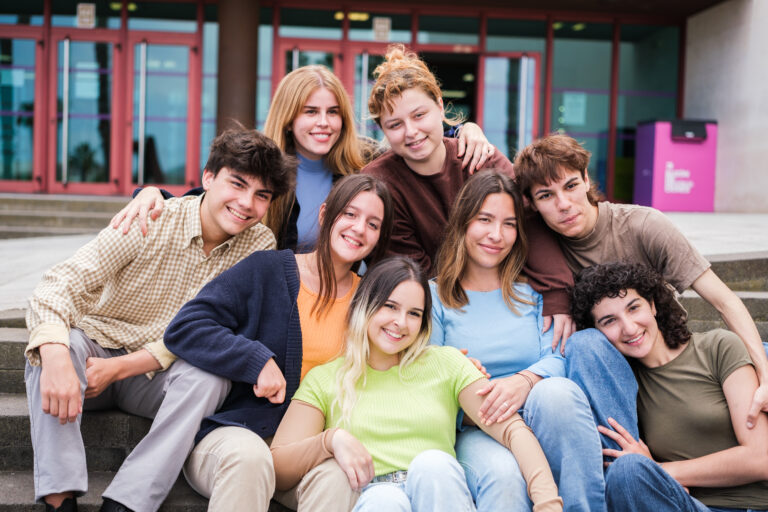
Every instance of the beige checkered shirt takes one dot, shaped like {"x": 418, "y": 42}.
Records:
{"x": 123, "y": 291}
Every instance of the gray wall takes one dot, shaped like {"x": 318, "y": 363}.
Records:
{"x": 726, "y": 79}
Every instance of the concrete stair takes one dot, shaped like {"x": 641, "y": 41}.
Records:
{"x": 111, "y": 435}
{"x": 28, "y": 215}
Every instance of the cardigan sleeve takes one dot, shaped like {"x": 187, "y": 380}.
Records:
{"x": 205, "y": 330}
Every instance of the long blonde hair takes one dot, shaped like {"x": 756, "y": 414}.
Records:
{"x": 345, "y": 157}
{"x": 452, "y": 256}
{"x": 401, "y": 70}
{"x": 373, "y": 292}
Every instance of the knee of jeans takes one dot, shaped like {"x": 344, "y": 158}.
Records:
{"x": 383, "y": 496}
{"x": 483, "y": 459}
{"x": 433, "y": 463}
{"x": 587, "y": 346}
{"x": 556, "y": 395}
{"x": 624, "y": 474}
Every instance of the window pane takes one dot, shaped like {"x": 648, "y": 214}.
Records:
{"x": 581, "y": 83}
{"x": 17, "y": 101}
{"x": 29, "y": 12}
{"x": 311, "y": 23}
{"x": 452, "y": 30}
{"x": 361, "y": 26}
{"x": 167, "y": 17}
{"x": 64, "y": 13}
{"x": 648, "y": 77}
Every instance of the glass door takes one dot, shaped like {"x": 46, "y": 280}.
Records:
{"x": 164, "y": 116}
{"x": 83, "y": 145}
{"x": 365, "y": 64}
{"x": 510, "y": 101}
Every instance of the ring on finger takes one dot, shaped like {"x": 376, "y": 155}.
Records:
{"x": 505, "y": 405}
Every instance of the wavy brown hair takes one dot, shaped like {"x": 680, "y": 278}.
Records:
{"x": 401, "y": 70}
{"x": 342, "y": 193}
{"x": 452, "y": 256}
{"x": 345, "y": 157}
{"x": 612, "y": 280}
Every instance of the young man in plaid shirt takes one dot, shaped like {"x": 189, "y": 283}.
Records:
{"x": 96, "y": 326}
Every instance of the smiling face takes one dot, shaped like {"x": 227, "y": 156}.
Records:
{"x": 414, "y": 130}
{"x": 395, "y": 326}
{"x": 564, "y": 204}
{"x": 629, "y": 323}
{"x": 490, "y": 235}
{"x": 318, "y": 125}
{"x": 233, "y": 202}
{"x": 356, "y": 230}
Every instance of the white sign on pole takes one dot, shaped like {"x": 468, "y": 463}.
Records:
{"x": 86, "y": 15}
{"x": 382, "y": 27}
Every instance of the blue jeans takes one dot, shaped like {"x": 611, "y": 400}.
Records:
{"x": 435, "y": 483}
{"x": 558, "y": 413}
{"x": 606, "y": 378}
{"x": 634, "y": 482}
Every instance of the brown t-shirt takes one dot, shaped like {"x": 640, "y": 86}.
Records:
{"x": 637, "y": 234}
{"x": 423, "y": 204}
{"x": 683, "y": 412}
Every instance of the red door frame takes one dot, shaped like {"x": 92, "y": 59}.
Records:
{"x": 194, "y": 91}
{"x": 112, "y": 186}
{"x": 38, "y": 113}
{"x": 284, "y": 44}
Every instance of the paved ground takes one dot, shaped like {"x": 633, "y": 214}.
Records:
{"x": 719, "y": 236}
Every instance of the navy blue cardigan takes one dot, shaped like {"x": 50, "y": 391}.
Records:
{"x": 238, "y": 321}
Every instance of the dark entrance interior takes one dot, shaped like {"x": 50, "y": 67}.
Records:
{"x": 457, "y": 74}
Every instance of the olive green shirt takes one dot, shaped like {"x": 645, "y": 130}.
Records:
{"x": 683, "y": 412}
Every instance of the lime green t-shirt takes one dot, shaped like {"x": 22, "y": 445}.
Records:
{"x": 396, "y": 416}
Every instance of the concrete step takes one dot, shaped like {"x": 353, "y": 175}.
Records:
{"x": 34, "y": 231}
{"x": 12, "y": 343}
{"x": 743, "y": 274}
{"x": 699, "y": 309}
{"x": 13, "y": 318}
{"x": 17, "y": 494}
{"x": 57, "y": 203}
{"x": 58, "y": 219}
{"x": 708, "y": 325}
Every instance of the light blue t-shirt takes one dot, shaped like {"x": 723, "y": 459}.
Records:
{"x": 313, "y": 183}
{"x": 503, "y": 341}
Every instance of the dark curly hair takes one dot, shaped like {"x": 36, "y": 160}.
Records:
{"x": 613, "y": 280}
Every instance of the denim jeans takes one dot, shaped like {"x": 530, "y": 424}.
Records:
{"x": 634, "y": 482}
{"x": 435, "y": 483}
{"x": 558, "y": 413}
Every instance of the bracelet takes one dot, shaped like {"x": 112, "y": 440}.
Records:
{"x": 527, "y": 378}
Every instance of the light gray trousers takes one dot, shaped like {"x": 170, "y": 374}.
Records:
{"x": 178, "y": 399}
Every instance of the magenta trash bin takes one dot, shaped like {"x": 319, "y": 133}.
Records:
{"x": 675, "y": 165}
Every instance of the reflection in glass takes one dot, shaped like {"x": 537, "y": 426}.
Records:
{"x": 84, "y": 115}
{"x": 364, "y": 66}
{"x": 448, "y": 30}
{"x": 165, "y": 72}
{"x": 162, "y": 16}
{"x": 648, "y": 68}
{"x": 310, "y": 23}
{"x": 294, "y": 59}
{"x": 508, "y": 102}
{"x": 29, "y": 12}
{"x": 17, "y": 101}
{"x": 581, "y": 84}
{"x": 264, "y": 76}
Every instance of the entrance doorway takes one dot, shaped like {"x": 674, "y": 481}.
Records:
{"x": 457, "y": 75}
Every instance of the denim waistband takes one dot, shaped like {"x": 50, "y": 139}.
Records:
{"x": 394, "y": 477}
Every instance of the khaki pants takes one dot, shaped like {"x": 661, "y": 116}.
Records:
{"x": 233, "y": 467}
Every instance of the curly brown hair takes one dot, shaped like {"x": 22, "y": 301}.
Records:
{"x": 612, "y": 280}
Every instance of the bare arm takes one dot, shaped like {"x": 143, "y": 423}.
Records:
{"x": 473, "y": 147}
{"x": 737, "y": 318}
{"x": 515, "y": 435}
{"x": 742, "y": 464}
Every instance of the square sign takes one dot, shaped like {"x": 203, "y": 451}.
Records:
{"x": 382, "y": 26}
{"x": 86, "y": 15}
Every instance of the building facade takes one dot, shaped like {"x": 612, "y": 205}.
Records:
{"x": 104, "y": 96}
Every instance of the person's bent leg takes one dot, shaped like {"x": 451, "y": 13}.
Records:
{"x": 232, "y": 467}
{"x": 326, "y": 487}
{"x": 606, "y": 379}
{"x": 186, "y": 395}
{"x": 59, "y": 454}
{"x": 560, "y": 417}
{"x": 383, "y": 497}
{"x": 492, "y": 473}
{"x": 634, "y": 482}
{"x": 436, "y": 482}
